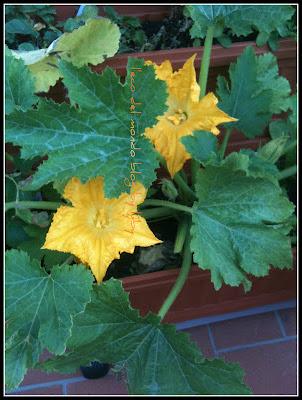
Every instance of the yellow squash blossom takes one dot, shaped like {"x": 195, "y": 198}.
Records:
{"x": 96, "y": 229}
{"x": 185, "y": 114}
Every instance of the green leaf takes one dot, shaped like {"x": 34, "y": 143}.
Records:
{"x": 225, "y": 41}
{"x": 20, "y": 26}
{"x": 256, "y": 165}
{"x": 273, "y": 150}
{"x": 279, "y": 128}
{"x": 39, "y": 309}
{"x": 201, "y": 145}
{"x": 111, "y": 331}
{"x": 14, "y": 232}
{"x": 241, "y": 20}
{"x": 265, "y": 19}
{"x": 236, "y": 224}
{"x": 206, "y": 15}
{"x": 269, "y": 79}
{"x": 76, "y": 47}
{"x": 21, "y": 355}
{"x": 19, "y": 85}
{"x": 27, "y": 46}
{"x": 246, "y": 99}
{"x": 79, "y": 48}
{"x": 33, "y": 243}
{"x": 95, "y": 139}
{"x": 90, "y": 12}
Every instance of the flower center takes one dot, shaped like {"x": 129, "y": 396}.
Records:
{"x": 101, "y": 219}
{"x": 178, "y": 117}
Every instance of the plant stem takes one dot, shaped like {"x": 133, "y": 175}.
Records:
{"x": 69, "y": 260}
{"x": 287, "y": 172}
{"x": 184, "y": 186}
{"x": 178, "y": 179}
{"x": 293, "y": 239}
{"x": 205, "y": 61}
{"x": 156, "y": 212}
{"x": 181, "y": 279}
{"x": 41, "y": 205}
{"x": 181, "y": 235}
{"x": 225, "y": 141}
{"x": 289, "y": 147}
{"x": 169, "y": 204}
{"x": 203, "y": 79}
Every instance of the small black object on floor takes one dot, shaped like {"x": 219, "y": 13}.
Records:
{"x": 95, "y": 370}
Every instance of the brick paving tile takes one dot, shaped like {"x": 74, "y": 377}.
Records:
{"x": 289, "y": 320}
{"x": 270, "y": 369}
{"x": 35, "y": 376}
{"x": 44, "y": 390}
{"x": 106, "y": 385}
{"x": 245, "y": 330}
{"x": 200, "y": 335}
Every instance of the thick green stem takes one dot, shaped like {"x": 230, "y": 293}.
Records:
{"x": 184, "y": 186}
{"x": 205, "y": 61}
{"x": 69, "y": 260}
{"x": 289, "y": 147}
{"x": 225, "y": 142}
{"x": 203, "y": 79}
{"x": 287, "y": 172}
{"x": 181, "y": 235}
{"x": 156, "y": 212}
{"x": 169, "y": 204}
{"x": 178, "y": 179}
{"x": 38, "y": 205}
{"x": 181, "y": 279}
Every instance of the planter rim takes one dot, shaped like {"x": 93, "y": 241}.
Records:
{"x": 220, "y": 56}
{"x": 153, "y": 278}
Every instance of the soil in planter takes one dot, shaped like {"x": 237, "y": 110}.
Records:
{"x": 149, "y": 259}
{"x": 171, "y": 33}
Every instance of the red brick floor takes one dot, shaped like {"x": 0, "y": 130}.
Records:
{"x": 263, "y": 344}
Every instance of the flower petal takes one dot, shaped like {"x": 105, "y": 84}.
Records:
{"x": 205, "y": 115}
{"x": 96, "y": 230}
{"x": 84, "y": 194}
{"x": 183, "y": 86}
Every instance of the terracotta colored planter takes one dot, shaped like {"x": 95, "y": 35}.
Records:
{"x": 144, "y": 12}
{"x": 199, "y": 298}
{"x": 220, "y": 59}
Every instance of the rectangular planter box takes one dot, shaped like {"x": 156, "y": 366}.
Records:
{"x": 143, "y": 12}
{"x": 220, "y": 59}
{"x": 198, "y": 297}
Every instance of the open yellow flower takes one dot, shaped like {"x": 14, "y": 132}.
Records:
{"x": 185, "y": 114}
{"x": 96, "y": 229}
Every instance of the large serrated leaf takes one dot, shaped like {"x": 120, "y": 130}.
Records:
{"x": 206, "y": 15}
{"x": 263, "y": 18}
{"x": 77, "y": 47}
{"x": 240, "y": 20}
{"x": 111, "y": 331}
{"x": 19, "y": 85}
{"x": 268, "y": 77}
{"x": 237, "y": 224}
{"x": 96, "y": 139}
{"x": 39, "y": 309}
{"x": 246, "y": 99}
{"x": 202, "y": 145}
